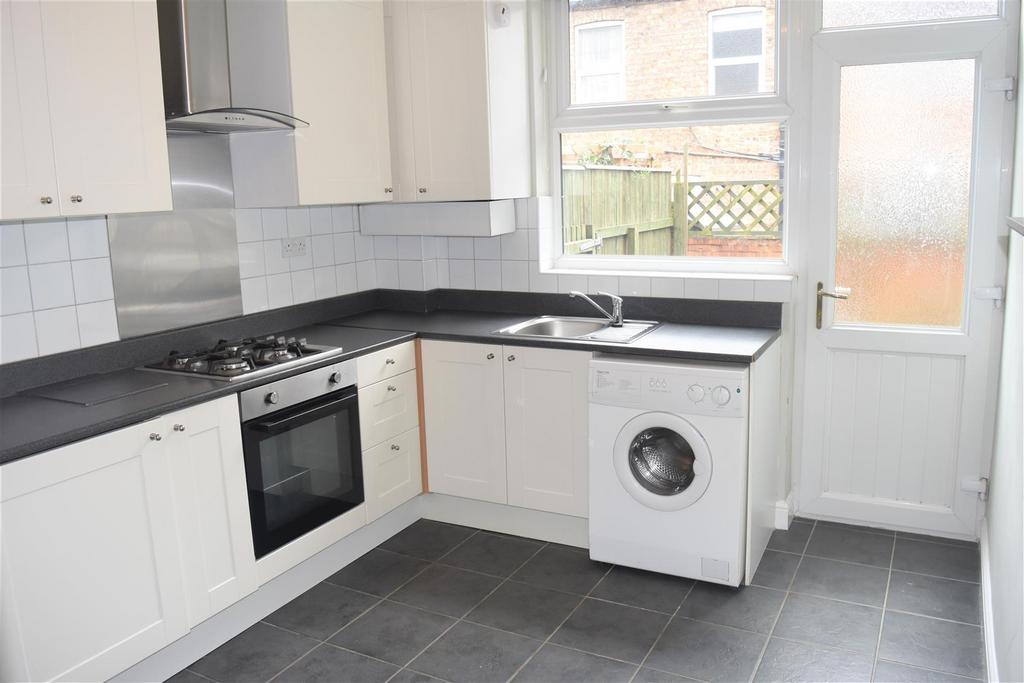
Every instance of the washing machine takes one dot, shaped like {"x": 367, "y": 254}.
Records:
{"x": 668, "y": 466}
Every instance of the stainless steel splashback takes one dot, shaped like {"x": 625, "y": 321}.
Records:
{"x": 180, "y": 268}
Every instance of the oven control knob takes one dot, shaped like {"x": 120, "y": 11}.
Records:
{"x": 335, "y": 378}
{"x": 272, "y": 397}
{"x": 720, "y": 395}
{"x": 695, "y": 393}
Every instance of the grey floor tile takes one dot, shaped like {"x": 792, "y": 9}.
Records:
{"x": 785, "y": 660}
{"x": 935, "y": 597}
{"x": 776, "y": 570}
{"x": 706, "y": 652}
{"x": 749, "y": 607}
{"x": 951, "y": 562}
{"x": 256, "y": 653}
{"x": 447, "y": 590}
{"x": 793, "y": 540}
{"x": 555, "y": 663}
{"x": 475, "y": 654}
{"x": 410, "y": 676}
{"x": 639, "y": 588}
{"x": 648, "y": 675}
{"x": 186, "y": 676}
{"x": 891, "y": 672}
{"x": 936, "y": 539}
{"x": 392, "y": 632}
{"x": 611, "y": 630}
{"x": 427, "y": 540}
{"x": 563, "y": 569}
{"x": 859, "y": 527}
{"x": 842, "y": 581}
{"x": 321, "y": 610}
{"x": 837, "y": 543}
{"x": 492, "y": 554}
{"x": 328, "y": 664}
{"x": 828, "y": 622}
{"x": 525, "y": 609}
{"x": 378, "y": 572}
{"x": 932, "y": 644}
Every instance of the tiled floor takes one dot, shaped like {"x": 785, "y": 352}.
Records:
{"x": 830, "y": 602}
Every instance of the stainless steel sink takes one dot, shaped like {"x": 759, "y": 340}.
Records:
{"x": 583, "y": 329}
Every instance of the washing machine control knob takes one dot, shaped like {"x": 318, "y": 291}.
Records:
{"x": 720, "y": 395}
{"x": 695, "y": 393}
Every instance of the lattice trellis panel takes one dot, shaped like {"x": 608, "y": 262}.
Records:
{"x": 735, "y": 208}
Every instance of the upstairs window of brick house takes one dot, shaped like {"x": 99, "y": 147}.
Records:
{"x": 736, "y": 51}
{"x": 600, "y": 68}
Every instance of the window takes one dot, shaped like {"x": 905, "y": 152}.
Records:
{"x": 599, "y": 62}
{"x": 736, "y": 52}
{"x": 843, "y": 13}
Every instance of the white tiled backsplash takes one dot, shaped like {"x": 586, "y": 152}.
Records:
{"x": 56, "y": 290}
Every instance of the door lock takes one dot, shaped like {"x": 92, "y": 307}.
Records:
{"x": 840, "y": 293}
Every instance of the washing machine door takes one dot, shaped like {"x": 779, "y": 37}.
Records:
{"x": 662, "y": 461}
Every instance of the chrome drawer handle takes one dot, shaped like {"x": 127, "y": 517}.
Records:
{"x": 490, "y": 356}
{"x": 155, "y": 437}
{"x": 392, "y": 387}
{"x": 389, "y": 361}
{"x": 179, "y": 428}
{"x": 76, "y": 199}
{"x": 511, "y": 358}
{"x": 46, "y": 199}
{"x": 423, "y": 190}
{"x": 395, "y": 447}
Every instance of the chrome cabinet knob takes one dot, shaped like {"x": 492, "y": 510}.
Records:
{"x": 388, "y": 190}
{"x": 389, "y": 361}
{"x": 272, "y": 398}
{"x": 76, "y": 199}
{"x": 155, "y": 437}
{"x": 490, "y": 356}
{"x": 179, "y": 428}
{"x": 335, "y": 378}
{"x": 395, "y": 447}
{"x": 423, "y": 190}
{"x": 46, "y": 199}
{"x": 511, "y": 358}
{"x": 392, "y": 387}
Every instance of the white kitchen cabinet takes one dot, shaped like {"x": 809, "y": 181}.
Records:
{"x": 459, "y": 93}
{"x": 388, "y": 408}
{"x": 91, "y": 576}
{"x": 204, "y": 446}
{"x": 323, "y": 62}
{"x": 546, "y": 428}
{"x": 392, "y": 473}
{"x": 464, "y": 411}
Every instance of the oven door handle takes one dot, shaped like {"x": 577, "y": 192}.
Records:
{"x": 289, "y": 420}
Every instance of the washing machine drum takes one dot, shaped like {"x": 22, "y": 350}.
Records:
{"x": 662, "y": 461}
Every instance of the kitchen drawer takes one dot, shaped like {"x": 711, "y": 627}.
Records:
{"x": 377, "y": 366}
{"x": 391, "y": 473}
{"x": 388, "y": 408}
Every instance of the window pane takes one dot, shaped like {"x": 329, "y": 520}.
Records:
{"x": 704, "y": 191}
{"x": 836, "y": 13}
{"x": 736, "y": 79}
{"x": 665, "y": 47}
{"x": 903, "y": 186}
{"x": 600, "y": 88}
{"x": 600, "y": 49}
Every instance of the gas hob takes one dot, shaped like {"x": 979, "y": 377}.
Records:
{"x": 245, "y": 358}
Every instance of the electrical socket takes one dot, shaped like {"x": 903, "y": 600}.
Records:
{"x": 293, "y": 247}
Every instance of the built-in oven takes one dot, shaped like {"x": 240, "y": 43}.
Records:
{"x": 303, "y": 462}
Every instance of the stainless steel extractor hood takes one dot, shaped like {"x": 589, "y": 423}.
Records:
{"x": 197, "y": 77}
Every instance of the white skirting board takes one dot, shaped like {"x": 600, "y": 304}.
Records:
{"x": 987, "y": 623}
{"x": 784, "y": 512}
{"x": 506, "y": 519}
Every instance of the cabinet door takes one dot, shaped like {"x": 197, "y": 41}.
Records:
{"x": 448, "y": 83}
{"x": 392, "y": 473}
{"x": 212, "y": 506}
{"x": 339, "y": 85}
{"x": 388, "y": 408}
{"x": 106, "y": 106}
{"x": 463, "y": 403}
{"x": 27, "y": 176}
{"x": 91, "y": 575}
{"x": 546, "y": 428}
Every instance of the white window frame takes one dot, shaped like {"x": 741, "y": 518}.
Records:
{"x": 621, "y": 73}
{"x": 564, "y": 117}
{"x": 731, "y": 61}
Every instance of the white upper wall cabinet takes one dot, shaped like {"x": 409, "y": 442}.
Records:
{"x": 459, "y": 89}
{"x": 334, "y": 77}
{"x": 83, "y": 116}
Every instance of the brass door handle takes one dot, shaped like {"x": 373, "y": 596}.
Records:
{"x": 840, "y": 293}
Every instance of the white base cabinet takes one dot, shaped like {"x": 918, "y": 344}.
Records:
{"x": 507, "y": 424}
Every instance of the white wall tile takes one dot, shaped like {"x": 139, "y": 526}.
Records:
{"x": 87, "y": 238}
{"x": 602, "y": 283}
{"x": 324, "y": 282}
{"x": 320, "y": 221}
{"x": 441, "y": 247}
{"x": 304, "y": 262}
{"x": 344, "y": 218}
{"x": 487, "y": 248}
{"x": 462, "y": 274}
{"x": 515, "y": 246}
{"x": 515, "y": 276}
{"x": 17, "y": 337}
{"x": 12, "y": 245}
{"x": 279, "y": 290}
{"x": 569, "y": 283}
{"x": 429, "y": 248}
{"x": 57, "y": 330}
{"x": 443, "y": 274}
{"x": 303, "y": 286}
{"x": 773, "y": 290}
{"x": 297, "y": 218}
{"x": 366, "y": 275}
{"x": 46, "y": 242}
{"x": 542, "y": 282}
{"x": 385, "y": 247}
{"x": 97, "y": 323}
{"x": 347, "y": 277}
{"x": 701, "y": 288}
{"x": 276, "y": 262}
{"x": 92, "y": 280}
{"x": 387, "y": 273}
{"x": 460, "y": 247}
{"x": 364, "y": 248}
{"x": 249, "y": 225}
{"x": 669, "y": 287}
{"x": 251, "y": 259}
{"x": 735, "y": 290}
{"x": 345, "y": 249}
{"x": 410, "y": 275}
{"x": 410, "y": 248}
{"x": 52, "y": 286}
{"x": 631, "y": 285}
{"x": 322, "y": 247}
{"x": 488, "y": 274}
{"x": 275, "y": 224}
{"x": 429, "y": 275}
{"x": 254, "y": 295}
{"x": 533, "y": 241}
{"x": 15, "y": 292}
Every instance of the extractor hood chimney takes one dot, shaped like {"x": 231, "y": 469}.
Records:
{"x": 196, "y": 73}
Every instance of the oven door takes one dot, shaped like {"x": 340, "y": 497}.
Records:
{"x": 303, "y": 467}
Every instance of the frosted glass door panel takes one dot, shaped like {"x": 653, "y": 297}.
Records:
{"x": 903, "y": 192}
{"x": 841, "y": 13}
